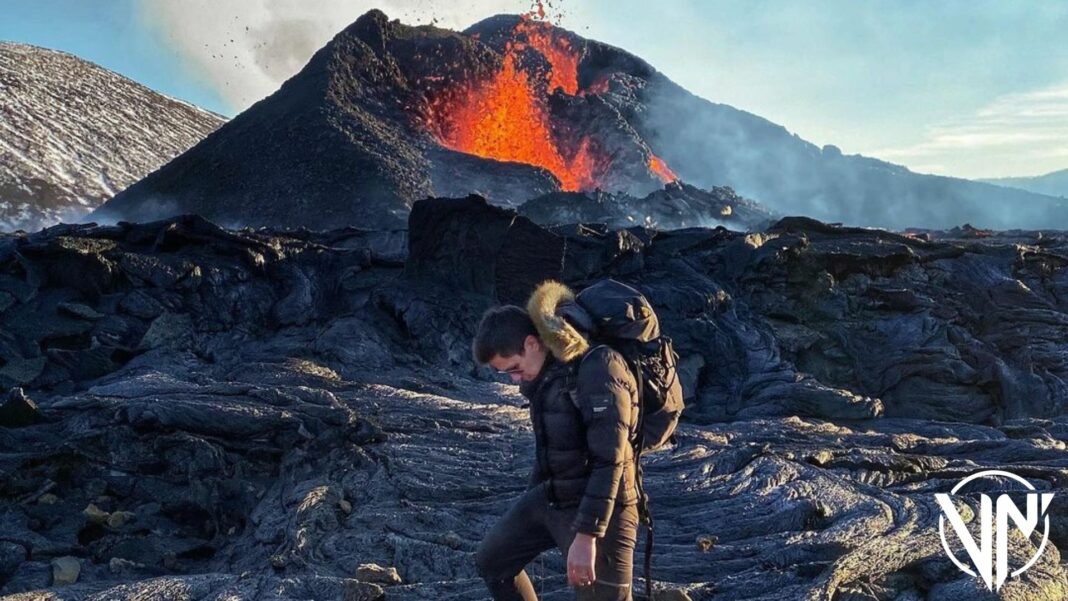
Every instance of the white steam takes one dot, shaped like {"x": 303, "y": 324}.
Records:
{"x": 245, "y": 49}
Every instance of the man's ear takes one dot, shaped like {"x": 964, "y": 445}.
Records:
{"x": 531, "y": 343}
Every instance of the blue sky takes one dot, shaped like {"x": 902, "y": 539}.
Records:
{"x": 111, "y": 33}
{"x": 972, "y": 89}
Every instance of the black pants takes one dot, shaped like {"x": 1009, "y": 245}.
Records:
{"x": 531, "y": 526}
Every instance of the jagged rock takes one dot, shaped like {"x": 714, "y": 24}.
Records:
{"x": 30, "y": 576}
{"x": 20, "y": 372}
{"x": 65, "y": 570}
{"x": 120, "y": 566}
{"x": 18, "y": 410}
{"x": 372, "y": 572}
{"x": 457, "y": 237}
{"x": 95, "y": 515}
{"x": 11, "y": 557}
{"x": 677, "y": 205}
{"x": 117, "y": 332}
{"x": 168, "y": 330}
{"x": 79, "y": 310}
{"x": 119, "y": 519}
{"x": 139, "y": 304}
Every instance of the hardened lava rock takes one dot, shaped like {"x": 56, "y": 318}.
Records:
{"x": 193, "y": 412}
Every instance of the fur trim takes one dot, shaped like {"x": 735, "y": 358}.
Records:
{"x": 563, "y": 340}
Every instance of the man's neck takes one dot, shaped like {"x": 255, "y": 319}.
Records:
{"x": 528, "y": 388}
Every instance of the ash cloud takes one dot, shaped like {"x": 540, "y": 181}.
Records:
{"x": 711, "y": 144}
{"x": 245, "y": 49}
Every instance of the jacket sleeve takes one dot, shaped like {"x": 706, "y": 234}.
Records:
{"x": 605, "y": 393}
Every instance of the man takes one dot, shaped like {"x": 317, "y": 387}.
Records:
{"x": 581, "y": 496}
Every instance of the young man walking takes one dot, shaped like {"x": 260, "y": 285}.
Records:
{"x": 582, "y": 496}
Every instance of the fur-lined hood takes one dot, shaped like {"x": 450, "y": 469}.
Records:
{"x": 563, "y": 340}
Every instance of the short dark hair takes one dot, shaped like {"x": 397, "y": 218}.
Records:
{"x": 501, "y": 331}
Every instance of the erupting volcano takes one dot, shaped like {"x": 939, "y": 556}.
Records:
{"x": 506, "y": 117}
{"x": 512, "y": 109}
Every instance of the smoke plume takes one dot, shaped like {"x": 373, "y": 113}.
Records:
{"x": 245, "y": 49}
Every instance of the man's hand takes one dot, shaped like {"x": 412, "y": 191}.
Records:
{"x": 580, "y": 560}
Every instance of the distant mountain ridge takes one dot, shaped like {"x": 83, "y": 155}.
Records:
{"x": 1051, "y": 184}
{"x": 73, "y": 134}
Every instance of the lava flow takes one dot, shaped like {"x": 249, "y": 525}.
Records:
{"x": 506, "y": 117}
{"x": 660, "y": 168}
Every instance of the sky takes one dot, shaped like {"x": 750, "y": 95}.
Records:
{"x": 970, "y": 89}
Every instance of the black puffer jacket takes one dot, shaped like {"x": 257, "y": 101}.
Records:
{"x": 584, "y": 406}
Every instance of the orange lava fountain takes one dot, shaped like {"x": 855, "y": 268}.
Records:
{"x": 506, "y": 118}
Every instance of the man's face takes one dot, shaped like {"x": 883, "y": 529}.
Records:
{"x": 525, "y": 366}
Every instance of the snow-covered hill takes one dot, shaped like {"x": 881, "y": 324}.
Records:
{"x": 73, "y": 134}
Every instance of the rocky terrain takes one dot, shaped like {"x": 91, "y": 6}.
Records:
{"x": 73, "y": 134}
{"x": 513, "y": 109}
{"x": 677, "y": 205}
{"x": 192, "y": 412}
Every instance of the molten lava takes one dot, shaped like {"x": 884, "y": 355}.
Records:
{"x": 506, "y": 117}
{"x": 660, "y": 168}
{"x": 562, "y": 58}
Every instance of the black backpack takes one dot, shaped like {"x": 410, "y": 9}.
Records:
{"x": 615, "y": 314}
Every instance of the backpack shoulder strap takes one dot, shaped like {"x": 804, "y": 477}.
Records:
{"x": 572, "y": 382}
